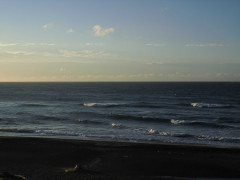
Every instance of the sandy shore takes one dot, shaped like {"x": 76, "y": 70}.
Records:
{"x": 42, "y": 159}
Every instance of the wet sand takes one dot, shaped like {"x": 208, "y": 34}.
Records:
{"x": 57, "y": 159}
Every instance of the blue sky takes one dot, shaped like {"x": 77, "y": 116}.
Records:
{"x": 136, "y": 40}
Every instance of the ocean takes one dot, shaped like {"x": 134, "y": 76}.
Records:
{"x": 198, "y": 113}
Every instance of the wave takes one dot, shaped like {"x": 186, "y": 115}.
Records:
{"x": 16, "y": 130}
{"x": 90, "y": 122}
{"x": 137, "y": 105}
{"x": 218, "y": 138}
{"x": 33, "y": 105}
{"x": 115, "y": 125}
{"x": 144, "y": 105}
{"x": 100, "y": 104}
{"x": 56, "y": 133}
{"x": 202, "y": 124}
{"x": 138, "y": 118}
{"x": 153, "y": 131}
{"x": 173, "y": 121}
{"x": 51, "y": 118}
{"x": 192, "y": 137}
{"x": 164, "y": 133}
{"x": 207, "y": 105}
{"x": 227, "y": 120}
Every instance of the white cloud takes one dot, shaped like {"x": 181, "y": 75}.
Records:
{"x": 8, "y": 45}
{"x": 99, "y": 31}
{"x": 204, "y": 45}
{"x": 25, "y": 53}
{"x": 38, "y": 44}
{"x": 70, "y": 30}
{"x": 48, "y": 26}
{"x": 47, "y": 44}
{"x": 26, "y": 44}
{"x": 60, "y": 53}
{"x": 29, "y": 44}
{"x": 31, "y": 53}
{"x": 84, "y": 53}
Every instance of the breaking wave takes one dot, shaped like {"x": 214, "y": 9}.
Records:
{"x": 137, "y": 105}
{"x": 207, "y": 105}
{"x": 100, "y": 104}
{"x": 116, "y": 125}
{"x": 218, "y": 138}
{"x": 173, "y": 121}
{"x": 56, "y": 133}
{"x": 201, "y": 123}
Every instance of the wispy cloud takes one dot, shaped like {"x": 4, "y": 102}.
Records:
{"x": 32, "y": 53}
{"x": 26, "y": 44}
{"x": 37, "y": 44}
{"x": 84, "y": 53}
{"x": 204, "y": 45}
{"x": 24, "y": 53}
{"x": 47, "y": 44}
{"x": 29, "y": 44}
{"x": 99, "y": 31}
{"x": 60, "y": 53}
{"x": 70, "y": 30}
{"x": 48, "y": 26}
{"x": 7, "y": 45}
{"x": 154, "y": 44}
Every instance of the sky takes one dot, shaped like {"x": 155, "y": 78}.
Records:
{"x": 127, "y": 40}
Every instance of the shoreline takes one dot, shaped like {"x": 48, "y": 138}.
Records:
{"x": 217, "y": 146}
{"x": 52, "y": 158}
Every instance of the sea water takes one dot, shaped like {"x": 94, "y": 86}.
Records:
{"x": 205, "y": 113}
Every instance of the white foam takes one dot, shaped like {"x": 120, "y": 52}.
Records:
{"x": 116, "y": 125}
{"x": 173, "y": 121}
{"x": 100, "y": 104}
{"x": 207, "y": 105}
{"x": 56, "y": 133}
{"x": 152, "y": 131}
{"x": 164, "y": 133}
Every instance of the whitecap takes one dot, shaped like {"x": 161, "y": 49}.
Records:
{"x": 164, "y": 133}
{"x": 207, "y": 105}
{"x": 116, "y": 125}
{"x": 152, "y": 131}
{"x": 56, "y": 133}
{"x": 173, "y": 121}
{"x": 100, "y": 104}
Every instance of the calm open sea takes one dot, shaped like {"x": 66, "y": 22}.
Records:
{"x": 192, "y": 113}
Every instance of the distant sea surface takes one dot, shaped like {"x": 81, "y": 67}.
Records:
{"x": 188, "y": 113}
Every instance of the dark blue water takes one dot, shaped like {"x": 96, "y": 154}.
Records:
{"x": 192, "y": 113}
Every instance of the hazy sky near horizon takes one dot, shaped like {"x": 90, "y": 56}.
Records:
{"x": 127, "y": 40}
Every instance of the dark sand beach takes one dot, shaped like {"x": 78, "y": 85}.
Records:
{"x": 43, "y": 158}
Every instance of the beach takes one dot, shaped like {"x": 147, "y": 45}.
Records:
{"x": 48, "y": 158}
